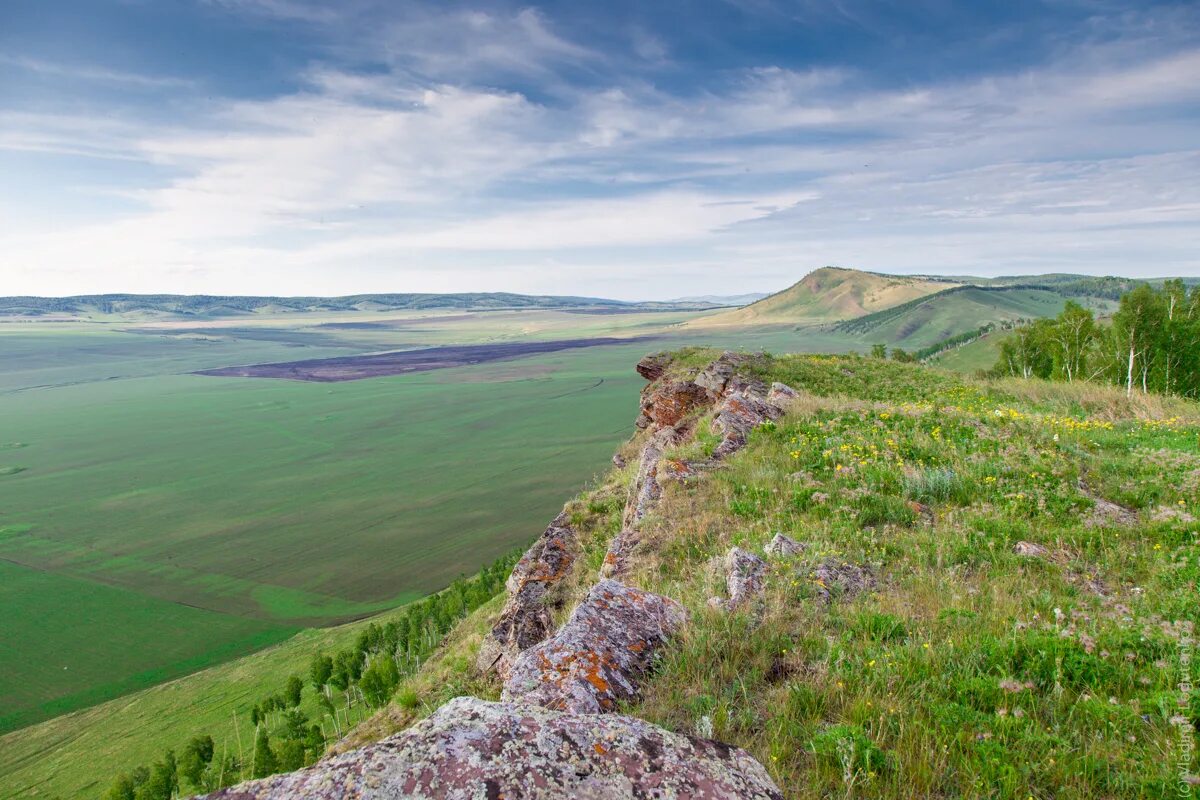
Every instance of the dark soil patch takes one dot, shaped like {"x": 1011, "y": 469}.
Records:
{"x": 353, "y": 368}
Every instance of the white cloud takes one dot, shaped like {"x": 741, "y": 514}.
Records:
{"x": 397, "y": 180}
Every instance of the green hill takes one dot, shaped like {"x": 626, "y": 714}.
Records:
{"x": 826, "y": 295}
{"x": 928, "y": 320}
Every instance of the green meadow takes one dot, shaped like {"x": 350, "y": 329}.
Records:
{"x": 154, "y": 522}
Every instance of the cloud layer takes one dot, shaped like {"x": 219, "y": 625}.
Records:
{"x": 440, "y": 149}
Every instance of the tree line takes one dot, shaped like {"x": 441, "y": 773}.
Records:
{"x": 344, "y": 685}
{"x": 1151, "y": 344}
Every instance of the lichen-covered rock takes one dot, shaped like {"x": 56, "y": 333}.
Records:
{"x": 744, "y": 575}
{"x": 738, "y": 414}
{"x": 782, "y": 546}
{"x": 840, "y": 579}
{"x": 620, "y": 551}
{"x": 472, "y": 749}
{"x": 646, "y": 488}
{"x": 599, "y": 656}
{"x": 653, "y": 366}
{"x": 781, "y": 395}
{"x": 525, "y": 619}
{"x": 666, "y": 403}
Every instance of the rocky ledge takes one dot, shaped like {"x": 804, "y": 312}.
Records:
{"x": 553, "y": 734}
{"x": 475, "y": 749}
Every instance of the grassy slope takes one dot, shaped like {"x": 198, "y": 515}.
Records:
{"x": 932, "y": 319}
{"x": 969, "y": 671}
{"x": 78, "y": 754}
{"x": 825, "y": 295}
{"x": 980, "y": 354}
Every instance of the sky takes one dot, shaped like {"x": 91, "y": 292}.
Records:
{"x": 635, "y": 150}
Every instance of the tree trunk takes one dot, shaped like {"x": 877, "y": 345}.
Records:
{"x": 1129, "y": 372}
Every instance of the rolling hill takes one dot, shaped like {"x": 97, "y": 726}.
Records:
{"x": 828, "y": 295}
{"x": 928, "y": 320}
{"x": 225, "y": 306}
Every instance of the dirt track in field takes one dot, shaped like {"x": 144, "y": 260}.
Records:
{"x": 375, "y": 365}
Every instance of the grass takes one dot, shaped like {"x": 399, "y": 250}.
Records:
{"x": 966, "y": 670}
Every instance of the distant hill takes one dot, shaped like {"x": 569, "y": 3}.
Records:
{"x": 722, "y": 299}
{"x": 828, "y": 295}
{"x": 224, "y": 306}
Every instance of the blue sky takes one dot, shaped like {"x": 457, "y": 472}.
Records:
{"x": 632, "y": 150}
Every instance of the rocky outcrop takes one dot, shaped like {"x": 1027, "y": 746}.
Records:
{"x": 646, "y": 488}
{"x": 667, "y": 403}
{"x": 744, "y": 576}
{"x": 526, "y": 617}
{"x": 599, "y": 656}
{"x": 653, "y": 366}
{"x": 737, "y": 415}
{"x": 727, "y": 374}
{"x": 471, "y": 749}
{"x": 782, "y": 546}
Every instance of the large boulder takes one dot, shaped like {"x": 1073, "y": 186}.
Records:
{"x": 599, "y": 656}
{"x": 738, "y": 414}
{"x": 472, "y": 749}
{"x": 526, "y": 617}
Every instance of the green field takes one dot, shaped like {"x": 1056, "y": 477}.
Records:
{"x": 153, "y": 522}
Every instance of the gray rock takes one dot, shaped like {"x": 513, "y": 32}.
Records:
{"x": 647, "y": 489}
{"x": 784, "y": 547}
{"x": 599, "y": 656}
{"x": 471, "y": 749}
{"x": 781, "y": 395}
{"x": 726, "y": 375}
{"x": 738, "y": 414}
{"x": 1030, "y": 550}
{"x": 841, "y": 580}
{"x": 744, "y": 574}
{"x": 526, "y": 617}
